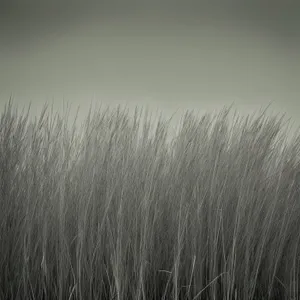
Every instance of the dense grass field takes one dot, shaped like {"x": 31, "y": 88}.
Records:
{"x": 112, "y": 211}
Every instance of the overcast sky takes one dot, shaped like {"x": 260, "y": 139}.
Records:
{"x": 166, "y": 54}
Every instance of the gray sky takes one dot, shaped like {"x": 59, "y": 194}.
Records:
{"x": 166, "y": 54}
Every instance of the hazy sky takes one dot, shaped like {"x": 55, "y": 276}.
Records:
{"x": 167, "y": 54}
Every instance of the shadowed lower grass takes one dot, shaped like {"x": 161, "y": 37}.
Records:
{"x": 116, "y": 212}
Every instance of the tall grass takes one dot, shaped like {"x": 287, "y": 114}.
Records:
{"x": 113, "y": 211}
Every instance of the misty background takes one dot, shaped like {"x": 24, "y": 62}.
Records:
{"x": 168, "y": 55}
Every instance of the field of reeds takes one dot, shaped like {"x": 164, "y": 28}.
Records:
{"x": 113, "y": 210}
